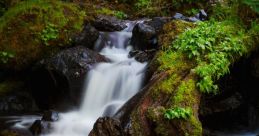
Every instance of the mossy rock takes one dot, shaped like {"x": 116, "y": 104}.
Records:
{"x": 32, "y": 29}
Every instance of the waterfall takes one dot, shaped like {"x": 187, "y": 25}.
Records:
{"x": 107, "y": 87}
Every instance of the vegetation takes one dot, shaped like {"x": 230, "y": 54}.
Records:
{"x": 213, "y": 45}
{"x": 178, "y": 113}
{"x": 106, "y": 11}
{"x": 5, "y": 56}
{"x": 27, "y": 26}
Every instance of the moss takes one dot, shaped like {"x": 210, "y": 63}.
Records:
{"x": 183, "y": 95}
{"x": 21, "y": 29}
{"x": 171, "y": 30}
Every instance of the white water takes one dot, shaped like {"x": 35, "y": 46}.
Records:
{"x": 108, "y": 86}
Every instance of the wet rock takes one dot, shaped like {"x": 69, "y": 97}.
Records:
{"x": 50, "y": 116}
{"x": 201, "y": 16}
{"x": 158, "y": 22}
{"x": 17, "y": 103}
{"x": 179, "y": 16}
{"x": 144, "y": 37}
{"x": 107, "y": 126}
{"x": 142, "y": 56}
{"x": 87, "y": 37}
{"x": 58, "y": 80}
{"x": 40, "y": 127}
{"x": 108, "y": 23}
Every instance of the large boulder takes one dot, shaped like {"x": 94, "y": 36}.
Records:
{"x": 64, "y": 74}
{"x": 33, "y": 29}
{"x": 87, "y": 37}
{"x": 107, "y": 126}
{"x": 144, "y": 37}
{"x": 108, "y": 23}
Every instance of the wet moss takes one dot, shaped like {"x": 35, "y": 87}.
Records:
{"x": 22, "y": 27}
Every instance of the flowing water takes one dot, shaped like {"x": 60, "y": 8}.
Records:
{"x": 107, "y": 87}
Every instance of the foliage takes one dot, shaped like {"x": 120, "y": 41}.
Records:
{"x": 5, "y": 56}
{"x": 213, "y": 45}
{"x": 178, "y": 113}
{"x": 143, "y": 4}
{"x": 106, "y": 11}
{"x": 120, "y": 15}
{"x": 49, "y": 33}
{"x": 253, "y": 4}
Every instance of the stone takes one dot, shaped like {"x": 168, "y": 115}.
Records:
{"x": 87, "y": 37}
{"x": 144, "y": 37}
{"x": 108, "y": 23}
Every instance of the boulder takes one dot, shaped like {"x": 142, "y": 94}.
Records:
{"x": 108, "y": 23}
{"x": 59, "y": 79}
{"x": 87, "y": 37}
{"x": 144, "y": 37}
{"x": 158, "y": 22}
{"x": 107, "y": 126}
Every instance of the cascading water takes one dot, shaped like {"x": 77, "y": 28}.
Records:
{"x": 108, "y": 86}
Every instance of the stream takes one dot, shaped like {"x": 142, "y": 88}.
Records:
{"x": 107, "y": 87}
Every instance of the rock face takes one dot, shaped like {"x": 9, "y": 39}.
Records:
{"x": 64, "y": 73}
{"x": 108, "y": 23}
{"x": 87, "y": 37}
{"x": 107, "y": 127}
{"x": 144, "y": 37}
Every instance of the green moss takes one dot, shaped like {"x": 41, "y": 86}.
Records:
{"x": 196, "y": 126}
{"x": 183, "y": 95}
{"x": 106, "y": 11}
{"x": 23, "y": 29}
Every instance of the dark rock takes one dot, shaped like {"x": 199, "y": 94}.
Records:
{"x": 158, "y": 22}
{"x": 60, "y": 79}
{"x": 40, "y": 127}
{"x": 228, "y": 104}
{"x": 142, "y": 56}
{"x": 179, "y": 16}
{"x": 192, "y": 19}
{"x": 87, "y": 37}
{"x": 17, "y": 103}
{"x": 107, "y": 126}
{"x": 50, "y": 116}
{"x": 144, "y": 37}
{"x": 108, "y": 23}
{"x": 202, "y": 15}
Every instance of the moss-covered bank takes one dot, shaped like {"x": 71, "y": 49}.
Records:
{"x": 32, "y": 29}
